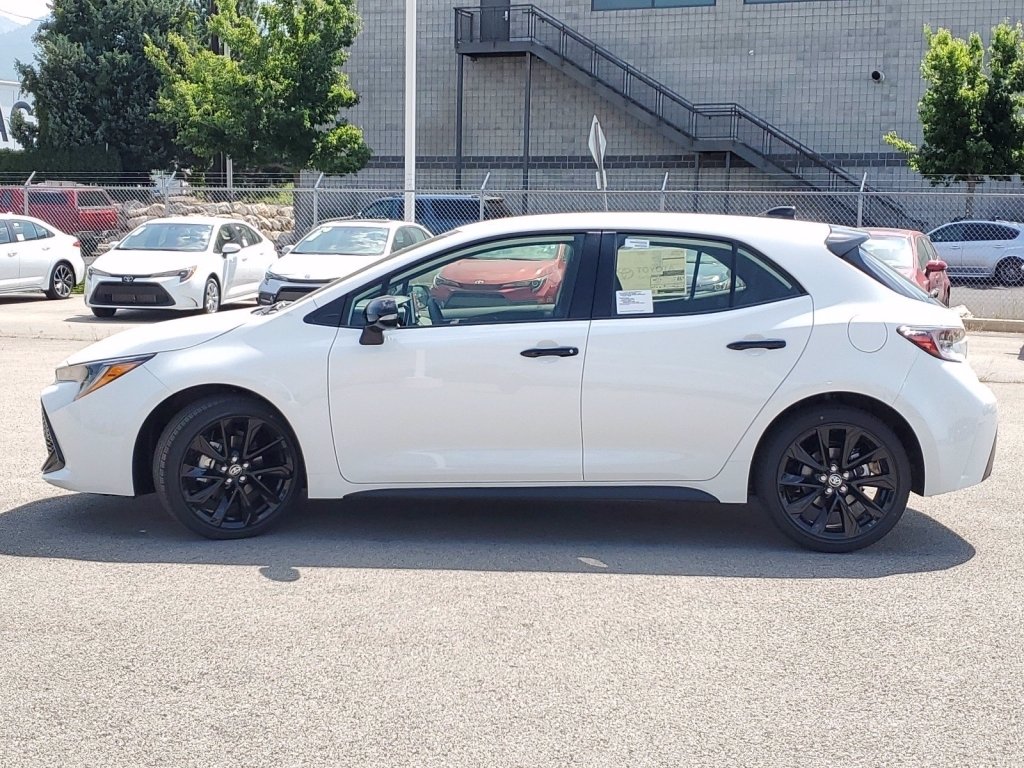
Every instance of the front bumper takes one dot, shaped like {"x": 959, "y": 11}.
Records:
{"x": 275, "y": 290}
{"x": 117, "y": 292}
{"x": 91, "y": 441}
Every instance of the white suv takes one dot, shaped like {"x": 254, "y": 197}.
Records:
{"x": 982, "y": 249}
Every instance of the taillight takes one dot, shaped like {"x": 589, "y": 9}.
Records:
{"x": 942, "y": 342}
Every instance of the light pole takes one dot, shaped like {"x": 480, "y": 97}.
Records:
{"x": 410, "y": 110}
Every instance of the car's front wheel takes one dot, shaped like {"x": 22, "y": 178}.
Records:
{"x": 834, "y": 479}
{"x": 227, "y": 467}
{"x": 211, "y": 296}
{"x": 103, "y": 311}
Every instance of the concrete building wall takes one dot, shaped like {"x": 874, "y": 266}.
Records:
{"x": 803, "y": 66}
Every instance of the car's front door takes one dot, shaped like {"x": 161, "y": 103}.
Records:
{"x": 690, "y": 339}
{"x": 486, "y": 393}
{"x": 231, "y": 278}
{"x": 949, "y": 241}
{"x": 9, "y": 259}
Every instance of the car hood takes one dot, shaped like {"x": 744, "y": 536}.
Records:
{"x": 163, "y": 337}
{"x": 492, "y": 271}
{"x": 117, "y": 262}
{"x": 319, "y": 266}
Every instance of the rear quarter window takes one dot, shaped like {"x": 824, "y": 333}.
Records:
{"x": 93, "y": 199}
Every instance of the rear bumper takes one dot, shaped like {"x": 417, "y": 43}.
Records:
{"x": 956, "y": 420}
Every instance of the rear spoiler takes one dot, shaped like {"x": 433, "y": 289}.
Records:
{"x": 844, "y": 242}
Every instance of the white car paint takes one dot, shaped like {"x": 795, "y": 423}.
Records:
{"x": 648, "y": 401}
{"x": 119, "y": 271}
{"x": 27, "y": 265}
{"x": 303, "y": 268}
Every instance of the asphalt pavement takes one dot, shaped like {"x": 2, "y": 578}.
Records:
{"x": 499, "y": 634}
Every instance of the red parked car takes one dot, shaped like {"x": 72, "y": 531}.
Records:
{"x": 911, "y": 254}
{"x": 517, "y": 275}
{"x": 86, "y": 212}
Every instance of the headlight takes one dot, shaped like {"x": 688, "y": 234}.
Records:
{"x": 533, "y": 285}
{"x": 181, "y": 274}
{"x": 93, "y": 272}
{"x": 92, "y": 376}
{"x": 438, "y": 280}
{"x": 271, "y": 276}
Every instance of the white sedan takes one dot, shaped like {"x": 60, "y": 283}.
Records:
{"x": 35, "y": 256}
{"x": 332, "y": 250}
{"x": 181, "y": 263}
{"x": 819, "y": 379}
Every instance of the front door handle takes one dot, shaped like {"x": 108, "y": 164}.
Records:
{"x": 551, "y": 352}
{"x": 757, "y": 344}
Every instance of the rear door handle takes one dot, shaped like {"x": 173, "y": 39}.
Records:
{"x": 757, "y": 344}
{"x": 551, "y": 352}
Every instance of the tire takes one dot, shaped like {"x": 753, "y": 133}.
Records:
{"x": 62, "y": 280}
{"x": 857, "y": 503}
{"x": 1010, "y": 271}
{"x": 103, "y": 311}
{"x": 211, "y": 296}
{"x": 227, "y": 494}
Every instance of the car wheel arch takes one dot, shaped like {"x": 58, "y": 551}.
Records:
{"x": 861, "y": 402}
{"x": 160, "y": 416}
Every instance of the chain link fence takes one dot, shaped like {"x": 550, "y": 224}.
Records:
{"x": 986, "y": 266}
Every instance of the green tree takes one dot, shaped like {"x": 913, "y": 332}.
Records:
{"x": 971, "y": 112}
{"x": 92, "y": 83}
{"x": 278, "y": 94}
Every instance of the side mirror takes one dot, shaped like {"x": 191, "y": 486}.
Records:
{"x": 379, "y": 314}
{"x": 230, "y": 248}
{"x": 935, "y": 265}
{"x": 286, "y": 250}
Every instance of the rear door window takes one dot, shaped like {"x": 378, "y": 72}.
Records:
{"x": 89, "y": 198}
{"x": 22, "y": 231}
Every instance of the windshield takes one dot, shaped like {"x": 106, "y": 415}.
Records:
{"x": 348, "y": 241}
{"x": 892, "y": 249}
{"x": 168, "y": 237}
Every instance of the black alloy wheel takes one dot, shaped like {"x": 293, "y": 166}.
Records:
{"x": 62, "y": 280}
{"x": 227, "y": 468}
{"x": 836, "y": 480}
{"x": 1010, "y": 271}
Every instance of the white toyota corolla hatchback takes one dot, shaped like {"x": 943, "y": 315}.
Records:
{"x": 181, "y": 263}
{"x": 818, "y": 379}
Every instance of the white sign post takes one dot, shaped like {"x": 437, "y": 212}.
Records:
{"x": 598, "y": 144}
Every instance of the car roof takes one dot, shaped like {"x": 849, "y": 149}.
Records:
{"x": 460, "y": 198}
{"x": 208, "y": 220}
{"x": 362, "y": 222}
{"x": 33, "y": 219}
{"x": 748, "y": 228}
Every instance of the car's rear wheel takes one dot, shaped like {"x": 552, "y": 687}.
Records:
{"x": 834, "y": 479}
{"x": 103, "y": 311}
{"x": 1010, "y": 271}
{"x": 227, "y": 467}
{"x": 211, "y": 296}
{"x": 62, "y": 280}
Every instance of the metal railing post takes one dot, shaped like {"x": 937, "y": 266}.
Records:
{"x": 24, "y": 201}
{"x": 664, "y": 186}
{"x": 482, "y": 188}
{"x": 316, "y": 200}
{"x": 860, "y": 199}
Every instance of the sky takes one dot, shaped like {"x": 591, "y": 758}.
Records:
{"x": 24, "y": 10}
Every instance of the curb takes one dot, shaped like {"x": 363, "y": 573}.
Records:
{"x": 993, "y": 324}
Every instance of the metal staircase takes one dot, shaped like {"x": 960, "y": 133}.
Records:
{"x": 503, "y": 30}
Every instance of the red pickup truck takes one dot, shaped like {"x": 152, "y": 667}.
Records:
{"x": 88, "y": 213}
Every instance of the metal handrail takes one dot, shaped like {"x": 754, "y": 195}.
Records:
{"x": 629, "y": 73}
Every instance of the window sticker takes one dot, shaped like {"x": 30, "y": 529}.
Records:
{"x": 634, "y": 302}
{"x": 635, "y": 242}
{"x": 659, "y": 270}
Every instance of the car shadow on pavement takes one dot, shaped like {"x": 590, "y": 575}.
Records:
{"x": 499, "y": 535}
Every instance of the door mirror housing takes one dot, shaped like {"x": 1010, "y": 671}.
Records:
{"x": 935, "y": 265}
{"x": 286, "y": 250}
{"x": 230, "y": 248}
{"x": 379, "y": 314}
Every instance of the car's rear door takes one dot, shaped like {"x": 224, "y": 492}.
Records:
{"x": 691, "y": 336}
{"x": 484, "y": 394}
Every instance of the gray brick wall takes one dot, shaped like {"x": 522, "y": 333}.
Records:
{"x": 804, "y": 66}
